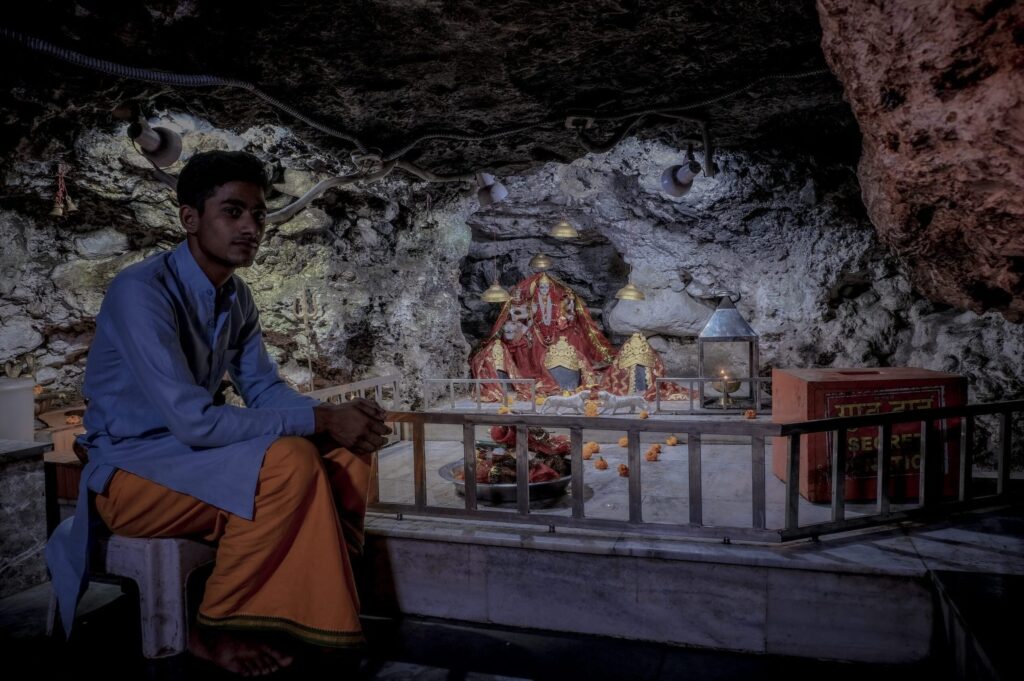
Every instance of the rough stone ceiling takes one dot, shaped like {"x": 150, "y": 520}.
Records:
{"x": 390, "y": 70}
{"x": 935, "y": 88}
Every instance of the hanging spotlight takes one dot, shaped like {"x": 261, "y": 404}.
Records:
{"x": 541, "y": 262}
{"x": 160, "y": 145}
{"x": 490, "y": 191}
{"x": 677, "y": 180}
{"x": 495, "y": 294}
{"x": 564, "y": 230}
{"x": 630, "y": 292}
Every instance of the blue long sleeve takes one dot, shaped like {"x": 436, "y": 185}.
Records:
{"x": 255, "y": 373}
{"x": 143, "y": 329}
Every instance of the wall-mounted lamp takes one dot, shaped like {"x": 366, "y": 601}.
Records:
{"x": 160, "y": 145}
{"x": 490, "y": 190}
{"x": 677, "y": 180}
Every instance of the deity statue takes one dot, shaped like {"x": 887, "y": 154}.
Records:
{"x": 549, "y": 335}
{"x": 506, "y": 354}
{"x": 568, "y": 345}
{"x": 634, "y": 371}
{"x": 545, "y": 332}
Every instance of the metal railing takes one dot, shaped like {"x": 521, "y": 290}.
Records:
{"x": 347, "y": 391}
{"x": 696, "y": 430}
{"x": 633, "y": 427}
{"x": 478, "y": 383}
{"x": 930, "y": 500}
{"x": 696, "y": 386}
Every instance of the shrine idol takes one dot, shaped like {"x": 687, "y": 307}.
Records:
{"x": 545, "y": 332}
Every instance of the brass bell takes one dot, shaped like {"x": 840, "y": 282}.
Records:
{"x": 630, "y": 292}
{"x": 495, "y": 294}
{"x": 69, "y": 205}
{"x": 58, "y": 209}
{"x": 564, "y": 230}
{"x": 541, "y": 262}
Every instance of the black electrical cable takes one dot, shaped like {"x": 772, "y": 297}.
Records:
{"x": 168, "y": 78}
{"x": 202, "y": 80}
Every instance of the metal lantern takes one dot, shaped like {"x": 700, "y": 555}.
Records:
{"x": 726, "y": 325}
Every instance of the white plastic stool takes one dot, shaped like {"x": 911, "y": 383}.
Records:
{"x": 160, "y": 568}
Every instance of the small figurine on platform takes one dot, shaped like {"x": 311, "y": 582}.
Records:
{"x": 615, "y": 402}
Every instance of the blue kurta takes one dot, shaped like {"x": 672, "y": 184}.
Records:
{"x": 164, "y": 338}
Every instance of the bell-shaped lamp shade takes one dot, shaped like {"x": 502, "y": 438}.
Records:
{"x": 677, "y": 180}
{"x": 160, "y": 145}
{"x": 495, "y": 294}
{"x": 490, "y": 191}
{"x": 564, "y": 230}
{"x": 630, "y": 292}
{"x": 541, "y": 262}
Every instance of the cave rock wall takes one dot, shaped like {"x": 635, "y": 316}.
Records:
{"x": 378, "y": 265}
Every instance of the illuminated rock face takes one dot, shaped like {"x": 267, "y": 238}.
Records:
{"x": 396, "y": 267}
{"x": 937, "y": 91}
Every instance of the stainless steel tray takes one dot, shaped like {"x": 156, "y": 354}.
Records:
{"x": 505, "y": 492}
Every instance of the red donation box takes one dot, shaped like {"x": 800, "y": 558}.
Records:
{"x": 806, "y": 394}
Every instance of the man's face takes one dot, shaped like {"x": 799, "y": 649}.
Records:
{"x": 231, "y": 226}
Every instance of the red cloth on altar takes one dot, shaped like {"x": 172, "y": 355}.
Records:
{"x": 493, "y": 357}
{"x": 542, "y": 311}
{"x": 620, "y": 377}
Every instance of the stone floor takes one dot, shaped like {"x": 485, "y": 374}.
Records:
{"x": 988, "y": 544}
{"x": 979, "y": 557}
{"x": 106, "y": 643}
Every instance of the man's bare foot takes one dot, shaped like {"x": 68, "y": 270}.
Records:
{"x": 243, "y": 654}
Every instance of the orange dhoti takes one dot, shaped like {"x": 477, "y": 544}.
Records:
{"x": 289, "y": 568}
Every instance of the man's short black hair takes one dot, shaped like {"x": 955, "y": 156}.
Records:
{"x": 208, "y": 170}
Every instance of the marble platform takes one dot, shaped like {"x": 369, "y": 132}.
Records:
{"x": 859, "y": 597}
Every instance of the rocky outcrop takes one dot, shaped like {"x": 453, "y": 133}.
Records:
{"x": 785, "y": 237}
{"x": 379, "y": 276}
{"x": 937, "y": 90}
